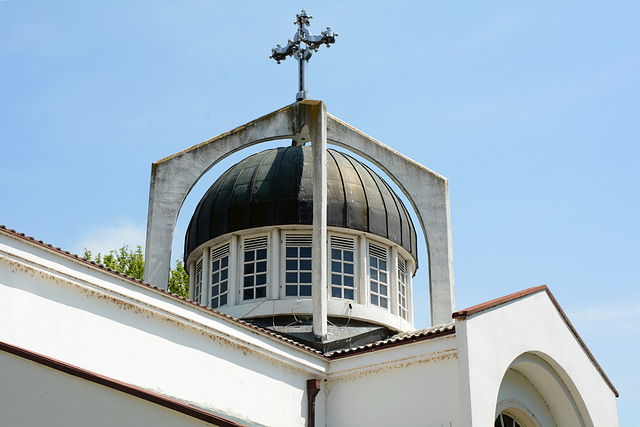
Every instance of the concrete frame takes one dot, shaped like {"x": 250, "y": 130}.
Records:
{"x": 173, "y": 177}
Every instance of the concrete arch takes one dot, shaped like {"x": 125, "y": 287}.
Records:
{"x": 535, "y": 383}
{"x": 173, "y": 177}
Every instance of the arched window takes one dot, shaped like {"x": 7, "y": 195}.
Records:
{"x": 506, "y": 420}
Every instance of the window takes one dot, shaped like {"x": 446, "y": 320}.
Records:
{"x": 255, "y": 269}
{"x": 342, "y": 268}
{"x": 298, "y": 265}
{"x": 402, "y": 289}
{"x": 197, "y": 290}
{"x": 505, "y": 420}
{"x": 219, "y": 276}
{"x": 378, "y": 273}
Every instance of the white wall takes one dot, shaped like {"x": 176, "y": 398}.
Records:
{"x": 97, "y": 321}
{"x": 408, "y": 385}
{"x": 491, "y": 340}
{"x": 35, "y": 395}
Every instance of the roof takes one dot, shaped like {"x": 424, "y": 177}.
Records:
{"x": 274, "y": 187}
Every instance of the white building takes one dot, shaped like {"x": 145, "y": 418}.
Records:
{"x": 301, "y": 262}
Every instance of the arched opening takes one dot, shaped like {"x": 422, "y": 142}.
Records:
{"x": 536, "y": 391}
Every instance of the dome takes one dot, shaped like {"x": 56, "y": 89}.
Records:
{"x": 274, "y": 187}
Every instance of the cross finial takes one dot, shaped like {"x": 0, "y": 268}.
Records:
{"x": 300, "y": 48}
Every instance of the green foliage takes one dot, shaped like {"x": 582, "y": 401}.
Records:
{"x": 131, "y": 262}
{"x": 179, "y": 280}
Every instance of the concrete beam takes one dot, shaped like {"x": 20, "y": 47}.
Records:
{"x": 428, "y": 193}
{"x": 173, "y": 177}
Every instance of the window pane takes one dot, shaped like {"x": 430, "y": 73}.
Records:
{"x": 248, "y": 282}
{"x": 374, "y": 286}
{"x": 261, "y": 279}
{"x": 261, "y": 266}
{"x": 248, "y": 268}
{"x": 383, "y": 277}
{"x": 305, "y": 277}
{"x": 305, "y": 264}
{"x": 248, "y": 256}
{"x": 292, "y": 278}
{"x": 261, "y": 292}
{"x": 374, "y": 274}
{"x": 305, "y": 252}
{"x": 225, "y": 262}
{"x": 216, "y": 264}
{"x": 348, "y": 268}
{"x": 348, "y": 256}
{"x": 223, "y": 287}
{"x": 383, "y": 289}
{"x": 292, "y": 252}
{"x": 336, "y": 266}
{"x": 374, "y": 299}
{"x": 291, "y": 290}
{"x": 348, "y": 281}
{"x": 223, "y": 299}
{"x": 292, "y": 264}
{"x": 348, "y": 293}
{"x": 336, "y": 279}
{"x": 305, "y": 291}
{"x": 224, "y": 274}
{"x": 383, "y": 302}
{"x": 215, "y": 290}
{"x": 382, "y": 265}
{"x": 373, "y": 262}
{"x": 335, "y": 254}
{"x": 248, "y": 293}
{"x": 261, "y": 254}
{"x": 336, "y": 292}
{"x": 215, "y": 278}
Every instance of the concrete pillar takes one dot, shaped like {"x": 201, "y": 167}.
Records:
{"x": 410, "y": 268}
{"x": 318, "y": 128}
{"x": 234, "y": 273}
{"x": 393, "y": 280}
{"x": 206, "y": 277}
{"x": 428, "y": 193}
{"x": 192, "y": 279}
{"x": 363, "y": 269}
{"x": 275, "y": 258}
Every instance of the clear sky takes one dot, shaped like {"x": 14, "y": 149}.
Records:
{"x": 531, "y": 110}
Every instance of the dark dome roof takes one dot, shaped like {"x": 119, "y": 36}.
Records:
{"x": 274, "y": 187}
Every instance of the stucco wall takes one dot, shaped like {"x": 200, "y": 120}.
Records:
{"x": 409, "y": 385}
{"x": 94, "y": 320}
{"x": 490, "y": 341}
{"x": 35, "y": 395}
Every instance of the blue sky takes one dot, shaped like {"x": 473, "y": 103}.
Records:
{"x": 530, "y": 110}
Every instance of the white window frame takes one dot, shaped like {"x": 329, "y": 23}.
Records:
{"x": 197, "y": 282}
{"x": 254, "y": 243}
{"x": 296, "y": 239}
{"x": 341, "y": 243}
{"x": 220, "y": 276}
{"x": 403, "y": 295}
{"x": 375, "y": 276}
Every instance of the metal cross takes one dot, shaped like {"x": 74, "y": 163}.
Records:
{"x": 300, "y": 48}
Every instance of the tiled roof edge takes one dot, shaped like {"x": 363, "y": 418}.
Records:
{"x": 400, "y": 339}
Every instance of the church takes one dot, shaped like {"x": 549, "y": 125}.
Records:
{"x": 301, "y": 262}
